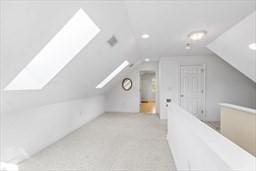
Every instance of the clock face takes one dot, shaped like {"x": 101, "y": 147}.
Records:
{"x": 127, "y": 84}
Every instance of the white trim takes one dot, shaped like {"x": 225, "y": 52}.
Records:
{"x": 56, "y": 54}
{"x": 203, "y": 117}
{"x": 113, "y": 74}
{"x": 204, "y": 94}
{"x": 155, "y": 76}
{"x": 196, "y": 146}
{"x": 240, "y": 108}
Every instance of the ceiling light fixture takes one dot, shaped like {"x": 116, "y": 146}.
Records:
{"x": 188, "y": 46}
{"x": 113, "y": 74}
{"x": 252, "y": 46}
{"x": 197, "y": 35}
{"x": 145, "y": 36}
{"x": 147, "y": 59}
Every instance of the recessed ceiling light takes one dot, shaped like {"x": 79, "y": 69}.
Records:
{"x": 145, "y": 36}
{"x": 188, "y": 46}
{"x": 113, "y": 74}
{"x": 197, "y": 35}
{"x": 252, "y": 46}
{"x": 147, "y": 59}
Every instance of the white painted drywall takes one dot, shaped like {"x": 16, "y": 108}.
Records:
{"x": 27, "y": 132}
{"x": 118, "y": 100}
{"x": 196, "y": 146}
{"x": 169, "y": 23}
{"x": 146, "y": 83}
{"x": 26, "y": 27}
{"x": 232, "y": 46}
{"x": 223, "y": 84}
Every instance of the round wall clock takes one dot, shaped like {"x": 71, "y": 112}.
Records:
{"x": 127, "y": 84}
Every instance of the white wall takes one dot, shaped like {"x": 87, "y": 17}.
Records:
{"x": 223, "y": 84}
{"x": 26, "y": 29}
{"x": 196, "y": 146}
{"x": 27, "y": 132}
{"x": 146, "y": 84}
{"x": 118, "y": 100}
{"x": 232, "y": 46}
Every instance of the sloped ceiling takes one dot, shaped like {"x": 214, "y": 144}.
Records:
{"x": 170, "y": 22}
{"x": 232, "y": 46}
{"x": 26, "y": 27}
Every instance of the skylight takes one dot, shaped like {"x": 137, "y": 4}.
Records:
{"x": 61, "y": 49}
{"x": 113, "y": 74}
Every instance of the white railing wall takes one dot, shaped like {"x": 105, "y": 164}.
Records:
{"x": 196, "y": 146}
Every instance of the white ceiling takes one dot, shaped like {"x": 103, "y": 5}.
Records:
{"x": 169, "y": 23}
{"x": 26, "y": 27}
{"x": 232, "y": 46}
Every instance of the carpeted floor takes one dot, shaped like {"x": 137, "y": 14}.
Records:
{"x": 112, "y": 142}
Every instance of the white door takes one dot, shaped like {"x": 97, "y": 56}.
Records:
{"x": 192, "y": 89}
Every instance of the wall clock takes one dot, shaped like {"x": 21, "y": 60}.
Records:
{"x": 127, "y": 84}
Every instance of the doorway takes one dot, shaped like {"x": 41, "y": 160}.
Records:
{"x": 148, "y": 92}
{"x": 192, "y": 89}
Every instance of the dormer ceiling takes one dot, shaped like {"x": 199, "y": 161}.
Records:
{"x": 27, "y": 26}
{"x": 233, "y": 46}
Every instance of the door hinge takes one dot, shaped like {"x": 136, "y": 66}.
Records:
{"x": 202, "y": 111}
{"x": 202, "y": 70}
{"x": 202, "y": 91}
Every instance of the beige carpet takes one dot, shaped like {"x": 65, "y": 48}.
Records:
{"x": 113, "y": 141}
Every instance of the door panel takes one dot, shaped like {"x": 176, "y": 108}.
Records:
{"x": 192, "y": 89}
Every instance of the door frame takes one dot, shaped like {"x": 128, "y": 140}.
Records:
{"x": 157, "y": 87}
{"x": 203, "y": 115}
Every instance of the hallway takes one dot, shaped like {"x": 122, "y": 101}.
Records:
{"x": 113, "y": 141}
{"x": 123, "y": 85}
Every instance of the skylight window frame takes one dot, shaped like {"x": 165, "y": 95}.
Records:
{"x": 113, "y": 74}
{"x": 76, "y": 34}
